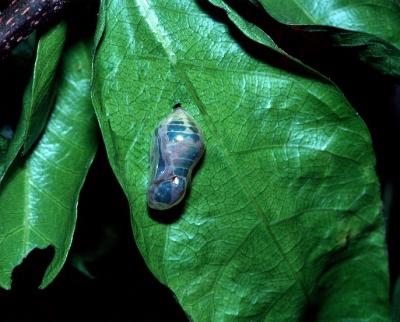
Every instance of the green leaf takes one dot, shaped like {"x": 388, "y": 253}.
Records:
{"x": 370, "y": 26}
{"x": 250, "y": 30}
{"x": 283, "y": 220}
{"x": 39, "y": 195}
{"x": 255, "y": 33}
{"x": 41, "y": 94}
{"x": 38, "y": 98}
{"x": 376, "y": 17}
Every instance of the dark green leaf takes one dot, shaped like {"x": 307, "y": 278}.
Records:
{"x": 39, "y": 97}
{"x": 371, "y": 26}
{"x": 283, "y": 220}
{"x": 255, "y": 33}
{"x": 82, "y": 258}
{"x": 396, "y": 302}
{"x": 377, "y": 53}
{"x": 39, "y": 195}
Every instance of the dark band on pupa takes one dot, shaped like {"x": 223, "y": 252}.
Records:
{"x": 178, "y": 145}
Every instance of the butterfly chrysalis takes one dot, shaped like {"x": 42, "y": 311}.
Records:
{"x": 177, "y": 148}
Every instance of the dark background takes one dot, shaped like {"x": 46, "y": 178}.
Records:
{"x": 121, "y": 286}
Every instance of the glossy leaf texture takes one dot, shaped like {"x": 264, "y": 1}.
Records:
{"x": 254, "y": 32}
{"x": 356, "y": 15}
{"x": 370, "y": 26}
{"x": 283, "y": 220}
{"x": 39, "y": 195}
{"x": 38, "y": 98}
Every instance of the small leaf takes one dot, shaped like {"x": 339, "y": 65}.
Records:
{"x": 250, "y": 30}
{"x": 39, "y": 195}
{"x": 255, "y": 33}
{"x": 41, "y": 95}
{"x": 283, "y": 220}
{"x": 38, "y": 98}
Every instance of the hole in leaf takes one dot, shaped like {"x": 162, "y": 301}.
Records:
{"x": 29, "y": 274}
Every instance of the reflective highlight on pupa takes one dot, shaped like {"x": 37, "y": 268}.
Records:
{"x": 178, "y": 146}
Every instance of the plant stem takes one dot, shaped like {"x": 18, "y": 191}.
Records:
{"x": 21, "y": 17}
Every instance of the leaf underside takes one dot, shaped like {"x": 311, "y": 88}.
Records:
{"x": 370, "y": 26}
{"x": 38, "y": 197}
{"x": 38, "y": 98}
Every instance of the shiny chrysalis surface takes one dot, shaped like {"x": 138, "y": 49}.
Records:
{"x": 177, "y": 147}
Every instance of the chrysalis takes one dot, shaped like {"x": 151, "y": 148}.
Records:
{"x": 177, "y": 148}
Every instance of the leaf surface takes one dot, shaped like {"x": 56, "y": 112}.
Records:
{"x": 38, "y": 98}
{"x": 370, "y": 26}
{"x": 39, "y": 195}
{"x": 283, "y": 220}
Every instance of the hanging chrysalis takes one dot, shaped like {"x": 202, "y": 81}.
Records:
{"x": 177, "y": 148}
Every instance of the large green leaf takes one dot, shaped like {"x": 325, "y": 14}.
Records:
{"x": 39, "y": 97}
{"x": 39, "y": 195}
{"x": 371, "y": 26}
{"x": 283, "y": 220}
{"x": 376, "y": 17}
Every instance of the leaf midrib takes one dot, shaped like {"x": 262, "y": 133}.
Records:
{"x": 242, "y": 182}
{"x": 27, "y": 209}
{"x": 311, "y": 18}
{"x": 25, "y": 222}
{"x": 230, "y": 161}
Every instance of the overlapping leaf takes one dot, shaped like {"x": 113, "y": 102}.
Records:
{"x": 370, "y": 26}
{"x": 38, "y": 99}
{"x": 356, "y": 15}
{"x": 283, "y": 218}
{"x": 38, "y": 198}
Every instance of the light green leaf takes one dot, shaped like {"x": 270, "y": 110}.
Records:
{"x": 376, "y": 17}
{"x": 250, "y": 30}
{"x": 257, "y": 34}
{"x": 370, "y": 26}
{"x": 39, "y": 195}
{"x": 284, "y": 213}
{"x": 38, "y": 98}
{"x": 41, "y": 94}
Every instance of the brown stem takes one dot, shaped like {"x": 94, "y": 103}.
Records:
{"x": 21, "y": 17}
